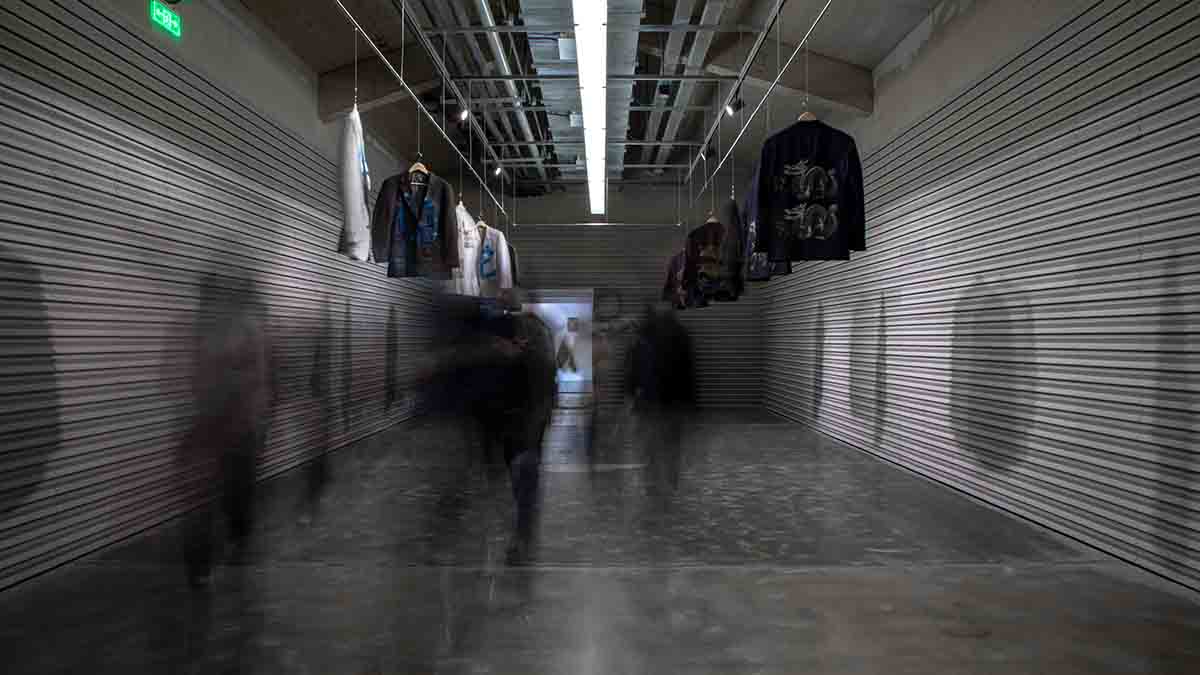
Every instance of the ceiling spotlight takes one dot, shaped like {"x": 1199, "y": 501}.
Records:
{"x": 498, "y": 171}
{"x": 463, "y": 115}
{"x": 733, "y": 106}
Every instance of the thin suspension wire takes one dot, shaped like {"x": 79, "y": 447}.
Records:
{"x": 356, "y": 68}
{"x": 742, "y": 111}
{"x": 775, "y": 82}
{"x": 806, "y": 88}
{"x": 778, "y": 65}
{"x": 442, "y": 93}
{"x": 713, "y": 191}
{"x": 409, "y": 90}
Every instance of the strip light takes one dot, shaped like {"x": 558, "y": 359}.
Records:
{"x": 591, "y": 53}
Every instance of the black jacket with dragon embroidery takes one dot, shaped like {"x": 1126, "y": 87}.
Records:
{"x": 810, "y": 195}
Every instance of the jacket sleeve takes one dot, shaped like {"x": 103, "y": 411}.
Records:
{"x": 503, "y": 262}
{"x": 668, "y": 290}
{"x": 762, "y": 201}
{"x": 450, "y": 227}
{"x": 512, "y": 259}
{"x": 381, "y": 220}
{"x": 856, "y": 216}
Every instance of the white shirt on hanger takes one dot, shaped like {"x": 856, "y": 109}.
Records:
{"x": 468, "y": 252}
{"x": 494, "y": 267}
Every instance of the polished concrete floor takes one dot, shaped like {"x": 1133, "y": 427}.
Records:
{"x": 781, "y": 552}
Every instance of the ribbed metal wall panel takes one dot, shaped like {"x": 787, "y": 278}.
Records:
{"x": 1024, "y": 323}
{"x": 123, "y": 175}
{"x": 632, "y": 260}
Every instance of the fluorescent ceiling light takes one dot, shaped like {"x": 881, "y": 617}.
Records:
{"x": 591, "y": 47}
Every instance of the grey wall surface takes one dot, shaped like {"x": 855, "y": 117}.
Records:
{"x": 124, "y": 173}
{"x": 632, "y": 260}
{"x": 1024, "y": 324}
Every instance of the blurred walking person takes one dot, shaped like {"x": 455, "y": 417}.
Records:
{"x": 660, "y": 381}
{"x": 232, "y": 389}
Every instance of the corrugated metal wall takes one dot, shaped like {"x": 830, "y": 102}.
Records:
{"x": 632, "y": 260}
{"x": 1024, "y": 324}
{"x": 123, "y": 175}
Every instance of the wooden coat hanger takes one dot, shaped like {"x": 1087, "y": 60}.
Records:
{"x": 712, "y": 218}
{"x": 419, "y": 165}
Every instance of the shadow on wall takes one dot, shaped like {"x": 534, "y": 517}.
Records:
{"x": 861, "y": 367}
{"x": 881, "y": 383}
{"x": 992, "y": 394}
{"x": 321, "y": 391}
{"x": 28, "y": 380}
{"x": 1174, "y": 433}
{"x": 391, "y": 386}
{"x": 867, "y": 367}
{"x": 347, "y": 367}
{"x": 818, "y": 368}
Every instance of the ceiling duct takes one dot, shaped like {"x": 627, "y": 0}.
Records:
{"x": 623, "y": 17}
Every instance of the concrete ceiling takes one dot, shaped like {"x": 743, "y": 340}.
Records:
{"x": 318, "y": 32}
{"x": 852, "y": 39}
{"x": 861, "y": 32}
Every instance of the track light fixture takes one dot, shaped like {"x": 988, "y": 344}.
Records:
{"x": 498, "y": 171}
{"x": 463, "y": 115}
{"x": 733, "y": 106}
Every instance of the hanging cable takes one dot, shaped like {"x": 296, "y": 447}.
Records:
{"x": 712, "y": 209}
{"x": 775, "y": 82}
{"x": 407, "y": 89}
{"x": 356, "y": 68}
{"x": 442, "y": 93}
{"x": 807, "y": 89}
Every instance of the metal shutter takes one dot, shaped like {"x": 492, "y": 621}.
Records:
{"x": 123, "y": 174}
{"x": 1024, "y": 324}
{"x": 632, "y": 260}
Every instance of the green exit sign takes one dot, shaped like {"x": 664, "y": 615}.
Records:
{"x": 162, "y": 17}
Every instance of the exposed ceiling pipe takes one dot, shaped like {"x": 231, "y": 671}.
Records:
{"x": 485, "y": 15}
{"x": 683, "y": 15}
{"x": 416, "y": 12}
{"x": 447, "y": 14}
{"x": 695, "y": 63}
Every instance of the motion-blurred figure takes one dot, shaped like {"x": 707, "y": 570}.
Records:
{"x": 496, "y": 368}
{"x": 232, "y": 388}
{"x": 321, "y": 390}
{"x": 660, "y": 381}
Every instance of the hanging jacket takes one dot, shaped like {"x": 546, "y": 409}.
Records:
{"x": 493, "y": 265}
{"x": 715, "y": 248}
{"x": 810, "y": 195}
{"x": 411, "y": 228}
{"x": 731, "y": 282}
{"x": 512, "y": 259}
{"x": 468, "y": 252}
{"x": 704, "y": 248}
{"x": 756, "y": 265}
{"x": 673, "y": 288}
{"x": 355, "y": 239}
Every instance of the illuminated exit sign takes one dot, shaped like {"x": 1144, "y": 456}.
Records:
{"x": 162, "y": 17}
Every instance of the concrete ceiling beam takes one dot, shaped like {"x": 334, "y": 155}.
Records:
{"x": 832, "y": 83}
{"x": 376, "y": 84}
